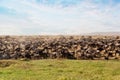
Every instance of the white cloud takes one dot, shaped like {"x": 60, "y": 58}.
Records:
{"x": 84, "y": 17}
{"x": 9, "y": 30}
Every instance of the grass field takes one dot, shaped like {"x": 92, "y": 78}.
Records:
{"x": 59, "y": 70}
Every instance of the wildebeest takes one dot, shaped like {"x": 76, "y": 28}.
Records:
{"x": 65, "y": 47}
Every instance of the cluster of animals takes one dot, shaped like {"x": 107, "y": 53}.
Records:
{"x": 62, "y": 47}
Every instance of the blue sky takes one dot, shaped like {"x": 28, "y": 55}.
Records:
{"x": 27, "y": 17}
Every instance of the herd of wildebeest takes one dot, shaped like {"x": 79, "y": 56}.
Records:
{"x": 60, "y": 47}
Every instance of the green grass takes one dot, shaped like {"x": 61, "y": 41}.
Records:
{"x": 60, "y": 70}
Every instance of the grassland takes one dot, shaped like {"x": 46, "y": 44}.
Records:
{"x": 59, "y": 70}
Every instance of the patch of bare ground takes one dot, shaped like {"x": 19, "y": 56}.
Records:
{"x": 6, "y": 63}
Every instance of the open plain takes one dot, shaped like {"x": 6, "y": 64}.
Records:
{"x": 52, "y": 69}
{"x": 59, "y": 57}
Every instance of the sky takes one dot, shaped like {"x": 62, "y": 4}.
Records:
{"x": 35, "y": 17}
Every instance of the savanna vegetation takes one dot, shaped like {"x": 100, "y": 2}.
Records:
{"x": 52, "y": 69}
